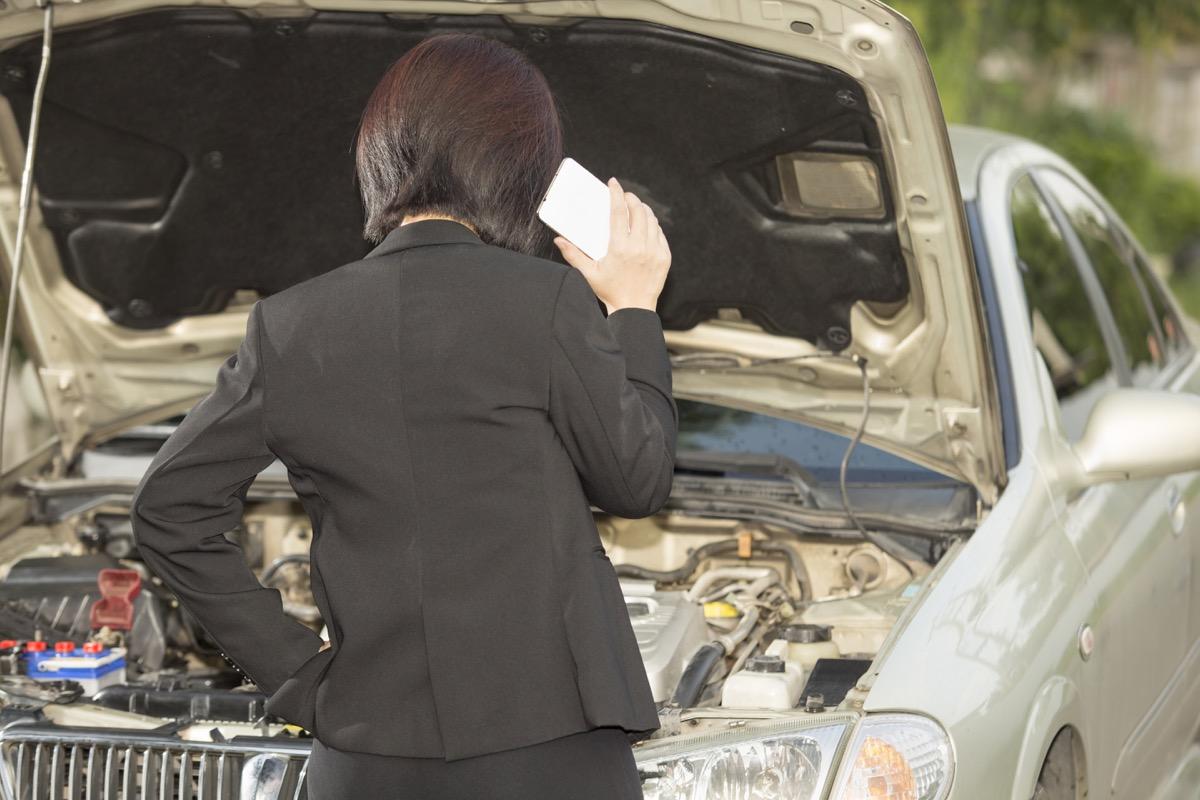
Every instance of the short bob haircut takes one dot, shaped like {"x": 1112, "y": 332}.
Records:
{"x": 464, "y": 126}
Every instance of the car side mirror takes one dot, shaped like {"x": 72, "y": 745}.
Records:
{"x": 1139, "y": 433}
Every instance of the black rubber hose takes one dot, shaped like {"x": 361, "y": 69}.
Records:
{"x": 713, "y": 548}
{"x": 680, "y": 573}
{"x": 273, "y": 567}
{"x": 798, "y": 568}
{"x": 695, "y": 674}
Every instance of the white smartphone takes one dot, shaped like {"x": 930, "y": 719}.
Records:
{"x": 576, "y": 206}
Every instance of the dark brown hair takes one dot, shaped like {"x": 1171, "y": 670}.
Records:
{"x": 465, "y": 126}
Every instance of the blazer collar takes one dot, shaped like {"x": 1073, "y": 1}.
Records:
{"x": 425, "y": 232}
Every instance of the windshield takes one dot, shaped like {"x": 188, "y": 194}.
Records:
{"x": 711, "y": 427}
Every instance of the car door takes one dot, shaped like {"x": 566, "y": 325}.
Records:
{"x": 1129, "y": 534}
{"x": 1174, "y": 720}
{"x": 1181, "y": 375}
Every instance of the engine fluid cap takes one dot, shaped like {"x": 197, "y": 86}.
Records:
{"x": 35, "y": 646}
{"x": 64, "y": 647}
{"x": 92, "y": 647}
{"x": 804, "y": 633}
{"x": 764, "y": 663}
{"x": 719, "y": 609}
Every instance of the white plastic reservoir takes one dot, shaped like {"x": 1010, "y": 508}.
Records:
{"x": 770, "y": 680}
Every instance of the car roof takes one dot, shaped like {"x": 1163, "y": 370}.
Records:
{"x": 970, "y": 146}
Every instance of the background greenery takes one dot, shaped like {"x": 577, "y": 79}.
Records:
{"x": 1052, "y": 37}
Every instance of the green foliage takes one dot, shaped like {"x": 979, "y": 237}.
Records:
{"x": 1162, "y": 207}
{"x": 1187, "y": 291}
{"x": 1050, "y": 26}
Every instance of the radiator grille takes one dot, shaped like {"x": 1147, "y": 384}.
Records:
{"x": 56, "y": 764}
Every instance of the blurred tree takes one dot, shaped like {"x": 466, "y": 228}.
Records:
{"x": 1049, "y": 37}
{"x": 1050, "y": 27}
{"x": 959, "y": 34}
{"x": 1162, "y": 207}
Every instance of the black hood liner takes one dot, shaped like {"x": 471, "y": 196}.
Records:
{"x": 185, "y": 154}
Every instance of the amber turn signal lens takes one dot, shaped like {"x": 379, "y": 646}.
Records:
{"x": 882, "y": 773}
{"x": 897, "y": 757}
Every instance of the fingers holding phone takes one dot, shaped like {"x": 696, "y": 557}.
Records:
{"x": 632, "y": 272}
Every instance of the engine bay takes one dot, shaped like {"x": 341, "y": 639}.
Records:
{"x": 733, "y": 618}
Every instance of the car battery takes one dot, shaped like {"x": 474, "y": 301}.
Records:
{"x": 93, "y": 665}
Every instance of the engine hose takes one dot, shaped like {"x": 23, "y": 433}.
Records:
{"x": 713, "y": 548}
{"x": 673, "y": 575}
{"x": 695, "y": 674}
{"x": 273, "y": 567}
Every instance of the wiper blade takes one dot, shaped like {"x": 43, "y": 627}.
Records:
{"x": 723, "y": 360}
{"x": 750, "y": 463}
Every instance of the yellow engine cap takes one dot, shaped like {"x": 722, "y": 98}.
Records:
{"x": 719, "y": 609}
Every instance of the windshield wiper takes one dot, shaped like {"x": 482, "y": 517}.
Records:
{"x": 752, "y": 464}
{"x": 727, "y": 361}
{"x": 714, "y": 497}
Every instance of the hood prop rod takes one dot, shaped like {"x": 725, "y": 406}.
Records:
{"x": 23, "y": 214}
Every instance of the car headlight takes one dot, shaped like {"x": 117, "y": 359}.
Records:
{"x": 896, "y": 757}
{"x": 771, "y": 761}
{"x": 890, "y": 757}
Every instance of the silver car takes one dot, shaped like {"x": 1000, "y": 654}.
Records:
{"x": 930, "y": 531}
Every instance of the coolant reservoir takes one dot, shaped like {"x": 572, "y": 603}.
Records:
{"x": 770, "y": 680}
{"x": 861, "y": 624}
{"x": 806, "y": 643}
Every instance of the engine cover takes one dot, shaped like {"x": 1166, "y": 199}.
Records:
{"x": 668, "y": 628}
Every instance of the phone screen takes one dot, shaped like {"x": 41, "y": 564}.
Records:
{"x": 576, "y": 207}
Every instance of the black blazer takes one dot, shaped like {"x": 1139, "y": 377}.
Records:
{"x": 446, "y": 410}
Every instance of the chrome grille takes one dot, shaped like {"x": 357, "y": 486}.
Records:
{"x": 58, "y": 763}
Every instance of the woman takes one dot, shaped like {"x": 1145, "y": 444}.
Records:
{"x": 447, "y": 407}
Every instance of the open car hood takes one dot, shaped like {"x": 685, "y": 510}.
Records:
{"x": 192, "y": 159}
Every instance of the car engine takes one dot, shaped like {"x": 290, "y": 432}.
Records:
{"x": 735, "y": 619}
{"x": 760, "y": 595}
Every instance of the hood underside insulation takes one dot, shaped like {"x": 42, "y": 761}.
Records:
{"x": 186, "y": 154}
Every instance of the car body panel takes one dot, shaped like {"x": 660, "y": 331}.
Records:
{"x": 1130, "y": 536}
{"x": 987, "y": 637}
{"x": 1000, "y": 630}
{"x": 1181, "y": 785}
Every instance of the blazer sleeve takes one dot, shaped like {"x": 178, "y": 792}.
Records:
{"x": 192, "y": 494}
{"x": 611, "y": 401}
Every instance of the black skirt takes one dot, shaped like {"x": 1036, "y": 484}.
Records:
{"x": 597, "y": 764}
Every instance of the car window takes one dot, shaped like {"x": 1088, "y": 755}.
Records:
{"x": 1109, "y": 256}
{"x": 1174, "y": 339}
{"x": 1064, "y": 324}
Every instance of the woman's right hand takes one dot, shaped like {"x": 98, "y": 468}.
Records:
{"x": 633, "y": 271}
